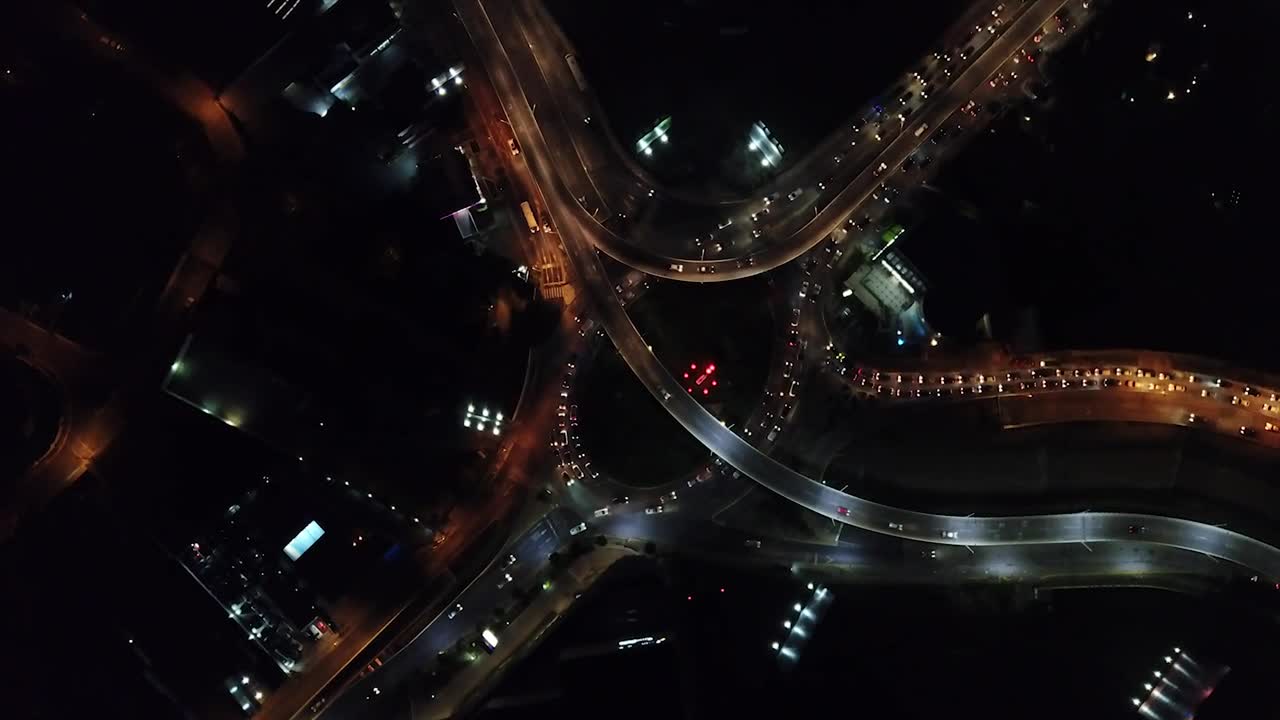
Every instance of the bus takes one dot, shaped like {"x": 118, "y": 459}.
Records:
{"x": 529, "y": 217}
{"x": 577, "y": 71}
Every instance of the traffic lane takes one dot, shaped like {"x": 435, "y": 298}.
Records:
{"x": 861, "y": 553}
{"x": 555, "y": 74}
{"x": 817, "y": 497}
{"x": 852, "y": 195}
{"x": 920, "y": 526}
{"x": 1150, "y": 400}
{"x": 532, "y": 549}
{"x": 633, "y": 256}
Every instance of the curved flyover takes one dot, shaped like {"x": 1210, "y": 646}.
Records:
{"x": 804, "y": 223}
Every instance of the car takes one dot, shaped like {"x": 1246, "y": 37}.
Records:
{"x": 579, "y": 528}
{"x": 453, "y": 611}
{"x": 653, "y": 509}
{"x": 511, "y": 144}
{"x": 601, "y": 512}
{"x": 1137, "y": 529}
{"x": 795, "y": 193}
{"x": 511, "y": 560}
{"x": 752, "y": 544}
{"x": 843, "y": 511}
{"x": 795, "y": 317}
{"x": 949, "y": 534}
{"x": 1246, "y": 431}
{"x": 895, "y": 526}
{"x": 1251, "y": 391}
{"x": 506, "y": 579}
{"x": 1271, "y": 427}
{"x": 669, "y": 496}
{"x": 804, "y": 289}
{"x": 620, "y": 500}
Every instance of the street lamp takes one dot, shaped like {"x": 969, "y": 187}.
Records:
{"x": 482, "y": 419}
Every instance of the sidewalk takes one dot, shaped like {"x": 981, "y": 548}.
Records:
{"x": 520, "y": 637}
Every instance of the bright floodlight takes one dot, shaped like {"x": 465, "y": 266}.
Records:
{"x": 1147, "y": 686}
{"x": 664, "y": 138}
{"x": 753, "y": 145}
{"x": 1168, "y": 659}
{"x": 485, "y": 419}
{"x": 442, "y": 91}
{"x": 774, "y": 646}
{"x": 1156, "y": 673}
{"x": 1178, "y": 650}
{"x": 787, "y": 624}
{"x": 244, "y": 680}
{"x": 1136, "y": 701}
{"x": 457, "y": 80}
{"x": 797, "y": 607}
{"x": 648, "y": 151}
{"x": 810, "y": 586}
{"x": 764, "y": 162}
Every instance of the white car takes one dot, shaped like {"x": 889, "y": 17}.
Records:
{"x": 950, "y": 534}
{"x": 653, "y": 510}
{"x": 453, "y": 612}
{"x": 895, "y": 526}
{"x": 602, "y": 512}
{"x": 579, "y": 528}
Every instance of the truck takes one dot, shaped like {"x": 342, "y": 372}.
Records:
{"x": 529, "y": 216}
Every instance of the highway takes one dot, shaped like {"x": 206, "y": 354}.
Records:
{"x": 797, "y": 225}
{"x": 531, "y": 549}
{"x": 1129, "y": 392}
{"x": 580, "y": 234}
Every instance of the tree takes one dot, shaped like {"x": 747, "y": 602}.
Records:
{"x": 650, "y": 548}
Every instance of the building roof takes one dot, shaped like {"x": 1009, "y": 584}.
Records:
{"x": 448, "y": 184}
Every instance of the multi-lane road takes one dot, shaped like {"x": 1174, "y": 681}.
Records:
{"x": 560, "y": 166}
{"x": 794, "y": 225}
{"x": 551, "y": 159}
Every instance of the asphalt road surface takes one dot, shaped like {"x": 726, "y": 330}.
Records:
{"x": 545, "y": 151}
